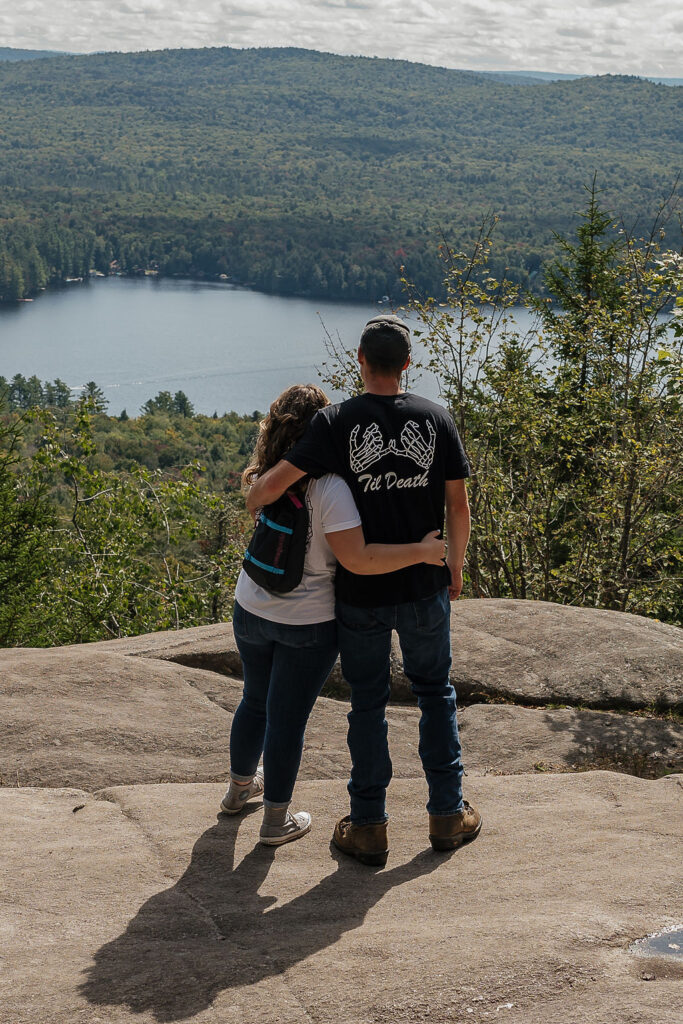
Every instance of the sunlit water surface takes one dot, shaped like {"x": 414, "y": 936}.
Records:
{"x": 226, "y": 348}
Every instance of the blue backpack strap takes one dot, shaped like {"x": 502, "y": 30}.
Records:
{"x": 262, "y": 565}
{"x": 275, "y": 526}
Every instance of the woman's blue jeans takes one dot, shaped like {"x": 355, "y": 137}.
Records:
{"x": 284, "y": 670}
{"x": 423, "y": 629}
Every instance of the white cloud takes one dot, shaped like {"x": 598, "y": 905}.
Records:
{"x": 590, "y": 37}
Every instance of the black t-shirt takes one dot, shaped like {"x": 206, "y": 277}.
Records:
{"x": 395, "y": 452}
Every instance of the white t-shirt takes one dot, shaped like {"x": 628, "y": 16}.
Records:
{"x": 331, "y": 508}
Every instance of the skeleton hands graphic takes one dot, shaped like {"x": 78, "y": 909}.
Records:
{"x": 372, "y": 448}
{"x": 414, "y": 445}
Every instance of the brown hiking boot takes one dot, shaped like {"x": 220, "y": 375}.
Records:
{"x": 367, "y": 843}
{"x": 448, "y": 831}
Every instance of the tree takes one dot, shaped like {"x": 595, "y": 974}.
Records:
{"x": 11, "y": 279}
{"x": 622, "y": 429}
{"x": 182, "y": 404}
{"x": 57, "y": 394}
{"x": 94, "y": 395}
{"x": 35, "y": 394}
{"x": 25, "y": 521}
{"x": 18, "y": 394}
{"x": 162, "y": 403}
{"x": 222, "y": 542}
{"x": 117, "y": 561}
{"x": 95, "y": 544}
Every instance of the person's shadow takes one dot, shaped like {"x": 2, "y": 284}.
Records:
{"x": 212, "y": 931}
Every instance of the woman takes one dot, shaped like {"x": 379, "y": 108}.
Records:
{"x": 288, "y": 642}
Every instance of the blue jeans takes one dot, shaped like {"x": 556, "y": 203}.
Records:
{"x": 423, "y": 629}
{"x": 284, "y": 670}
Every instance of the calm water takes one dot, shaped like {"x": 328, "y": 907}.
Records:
{"x": 226, "y": 348}
{"x": 667, "y": 943}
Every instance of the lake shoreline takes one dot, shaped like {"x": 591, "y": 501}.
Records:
{"x": 150, "y": 275}
{"x": 229, "y": 348}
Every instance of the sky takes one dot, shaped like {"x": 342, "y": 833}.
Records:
{"x": 638, "y": 37}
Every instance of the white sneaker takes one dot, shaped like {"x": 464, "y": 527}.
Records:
{"x": 296, "y": 826}
{"x": 236, "y": 797}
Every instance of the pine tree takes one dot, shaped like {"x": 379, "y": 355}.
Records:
{"x": 25, "y": 522}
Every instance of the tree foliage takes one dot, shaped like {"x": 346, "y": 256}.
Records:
{"x": 26, "y": 521}
{"x": 575, "y": 431}
{"x": 95, "y": 544}
{"x": 115, "y": 526}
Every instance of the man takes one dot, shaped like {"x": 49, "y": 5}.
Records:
{"x": 403, "y": 460}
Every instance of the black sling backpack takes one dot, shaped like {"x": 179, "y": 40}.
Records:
{"x": 277, "y": 549}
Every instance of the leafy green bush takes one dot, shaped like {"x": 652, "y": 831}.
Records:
{"x": 97, "y": 545}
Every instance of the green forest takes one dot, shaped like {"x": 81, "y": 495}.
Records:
{"x": 167, "y": 436}
{"x": 307, "y": 173}
{"x": 112, "y": 526}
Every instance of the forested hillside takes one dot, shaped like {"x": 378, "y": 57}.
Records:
{"x": 12, "y": 53}
{"x": 301, "y": 172}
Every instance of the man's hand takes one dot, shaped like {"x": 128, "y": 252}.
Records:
{"x": 458, "y": 527}
{"x": 272, "y": 485}
{"x": 433, "y": 548}
{"x": 455, "y": 586}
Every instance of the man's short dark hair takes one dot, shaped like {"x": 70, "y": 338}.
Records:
{"x": 385, "y": 343}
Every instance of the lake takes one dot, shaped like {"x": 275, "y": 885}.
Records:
{"x": 227, "y": 348}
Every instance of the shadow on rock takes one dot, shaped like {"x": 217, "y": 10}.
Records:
{"x": 213, "y": 931}
{"x": 646, "y": 747}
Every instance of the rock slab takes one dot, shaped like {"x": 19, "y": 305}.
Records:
{"x": 77, "y": 716}
{"x": 144, "y": 907}
{"x": 526, "y": 652}
{"x": 91, "y": 717}
{"x": 536, "y": 652}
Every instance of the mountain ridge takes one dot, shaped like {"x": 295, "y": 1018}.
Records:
{"x": 307, "y": 173}
{"x": 11, "y": 53}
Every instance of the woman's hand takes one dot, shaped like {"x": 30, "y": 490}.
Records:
{"x": 433, "y": 548}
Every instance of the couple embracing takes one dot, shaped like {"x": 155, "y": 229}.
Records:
{"x": 377, "y": 472}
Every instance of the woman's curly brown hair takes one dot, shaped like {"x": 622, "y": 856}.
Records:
{"x": 286, "y": 422}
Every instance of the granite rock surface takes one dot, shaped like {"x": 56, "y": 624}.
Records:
{"x": 144, "y": 906}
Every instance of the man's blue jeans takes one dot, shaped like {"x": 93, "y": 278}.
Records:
{"x": 284, "y": 670}
{"x": 364, "y": 635}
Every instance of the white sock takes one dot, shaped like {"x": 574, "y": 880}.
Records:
{"x": 275, "y": 816}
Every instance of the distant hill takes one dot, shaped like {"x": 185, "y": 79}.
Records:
{"x": 308, "y": 173}
{"x": 527, "y": 77}
{"x": 11, "y": 54}
{"x": 536, "y": 77}
{"x": 667, "y": 81}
